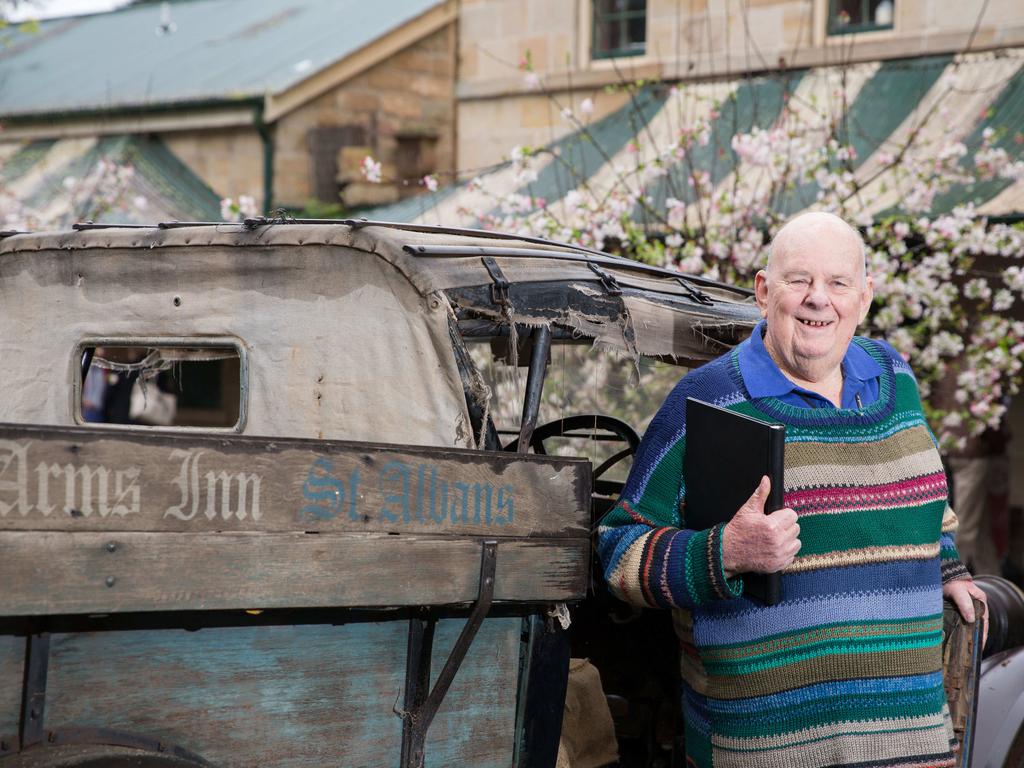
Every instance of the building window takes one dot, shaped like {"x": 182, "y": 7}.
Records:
{"x": 848, "y": 16}
{"x": 620, "y": 28}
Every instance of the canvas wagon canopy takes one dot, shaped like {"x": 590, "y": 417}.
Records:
{"x": 335, "y": 320}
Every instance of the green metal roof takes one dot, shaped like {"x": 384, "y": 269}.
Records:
{"x": 212, "y": 50}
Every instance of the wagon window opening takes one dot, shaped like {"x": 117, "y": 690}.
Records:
{"x": 160, "y": 386}
{"x": 581, "y": 379}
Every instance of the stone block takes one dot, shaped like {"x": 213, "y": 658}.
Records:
{"x": 537, "y": 47}
{"x": 439, "y": 114}
{"x": 545, "y": 16}
{"x": 350, "y": 100}
{"x": 350, "y": 160}
{"x": 796, "y": 26}
{"x": 426, "y": 62}
{"x": 469, "y": 64}
{"x": 364, "y": 193}
{"x": 385, "y": 77}
{"x": 401, "y": 105}
{"x": 537, "y": 112}
{"x": 429, "y": 86}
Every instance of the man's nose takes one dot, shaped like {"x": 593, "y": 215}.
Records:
{"x": 816, "y": 296}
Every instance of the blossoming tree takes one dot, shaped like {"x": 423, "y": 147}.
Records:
{"x": 946, "y": 284}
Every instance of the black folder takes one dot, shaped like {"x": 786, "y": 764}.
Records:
{"x": 727, "y": 454}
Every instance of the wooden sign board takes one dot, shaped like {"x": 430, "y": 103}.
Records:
{"x": 108, "y": 520}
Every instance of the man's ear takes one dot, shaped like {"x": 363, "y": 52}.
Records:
{"x": 761, "y": 291}
{"x": 866, "y": 296}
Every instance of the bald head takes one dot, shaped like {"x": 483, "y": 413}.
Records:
{"x": 813, "y": 294}
{"x": 817, "y": 230}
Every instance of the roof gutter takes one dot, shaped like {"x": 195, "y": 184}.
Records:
{"x": 151, "y": 118}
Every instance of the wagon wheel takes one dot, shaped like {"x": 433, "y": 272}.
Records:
{"x": 594, "y": 424}
{"x": 95, "y": 756}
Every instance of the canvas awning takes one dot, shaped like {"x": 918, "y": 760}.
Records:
{"x": 935, "y": 100}
{"x": 59, "y": 182}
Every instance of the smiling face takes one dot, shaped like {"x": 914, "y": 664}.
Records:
{"x": 814, "y": 294}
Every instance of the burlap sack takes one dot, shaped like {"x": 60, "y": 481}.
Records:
{"x": 588, "y": 735}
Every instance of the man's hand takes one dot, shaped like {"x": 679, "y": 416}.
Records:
{"x": 753, "y": 542}
{"x": 960, "y": 592}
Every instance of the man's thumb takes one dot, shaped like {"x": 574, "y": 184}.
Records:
{"x": 755, "y": 504}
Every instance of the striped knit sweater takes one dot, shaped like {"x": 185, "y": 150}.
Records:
{"x": 847, "y": 669}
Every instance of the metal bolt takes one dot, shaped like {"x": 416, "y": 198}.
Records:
{"x": 112, "y": 546}
{"x": 111, "y": 581}
{"x": 177, "y": 299}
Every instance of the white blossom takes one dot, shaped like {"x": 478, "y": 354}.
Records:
{"x": 371, "y": 170}
{"x": 1002, "y": 301}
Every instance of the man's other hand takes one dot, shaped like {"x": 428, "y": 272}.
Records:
{"x": 960, "y": 592}
{"x": 753, "y": 542}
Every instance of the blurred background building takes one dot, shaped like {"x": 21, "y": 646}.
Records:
{"x": 205, "y": 99}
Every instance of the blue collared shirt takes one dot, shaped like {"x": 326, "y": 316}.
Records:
{"x": 762, "y": 377}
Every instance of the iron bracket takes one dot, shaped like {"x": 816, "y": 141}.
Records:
{"x": 499, "y": 289}
{"x": 33, "y": 691}
{"x": 695, "y": 293}
{"x": 420, "y": 707}
{"x": 611, "y": 285}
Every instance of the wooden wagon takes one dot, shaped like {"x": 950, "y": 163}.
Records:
{"x": 335, "y": 563}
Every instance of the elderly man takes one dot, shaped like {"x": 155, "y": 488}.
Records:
{"x": 847, "y": 669}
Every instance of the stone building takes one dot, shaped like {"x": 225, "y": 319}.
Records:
{"x": 579, "y": 48}
{"x": 279, "y": 100}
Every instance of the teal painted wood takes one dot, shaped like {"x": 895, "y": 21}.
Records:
{"x": 287, "y": 696}
{"x": 755, "y": 102}
{"x": 881, "y": 106}
{"x": 12, "y": 659}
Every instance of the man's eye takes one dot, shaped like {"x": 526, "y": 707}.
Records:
{"x": 800, "y": 281}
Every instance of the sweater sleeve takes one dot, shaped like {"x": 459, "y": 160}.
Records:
{"x": 649, "y": 557}
{"x": 952, "y": 567}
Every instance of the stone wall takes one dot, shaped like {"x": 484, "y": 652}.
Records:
{"x": 407, "y": 100}
{"x": 229, "y": 160}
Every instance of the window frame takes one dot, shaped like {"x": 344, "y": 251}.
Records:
{"x": 162, "y": 341}
{"x": 625, "y": 17}
{"x": 834, "y": 29}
